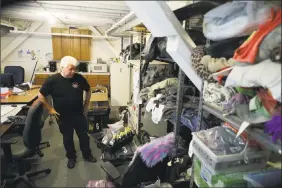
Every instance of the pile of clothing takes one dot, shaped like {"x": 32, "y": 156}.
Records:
{"x": 156, "y": 46}
{"x": 124, "y": 55}
{"x": 241, "y": 64}
{"x": 161, "y": 99}
{"x": 156, "y": 72}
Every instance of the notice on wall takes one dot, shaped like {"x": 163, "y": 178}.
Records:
{"x": 136, "y": 88}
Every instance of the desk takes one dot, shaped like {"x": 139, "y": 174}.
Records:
{"x": 4, "y": 128}
{"x": 22, "y": 99}
{"x": 8, "y": 110}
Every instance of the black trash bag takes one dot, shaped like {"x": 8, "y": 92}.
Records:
{"x": 225, "y": 48}
{"x": 201, "y": 7}
{"x": 135, "y": 51}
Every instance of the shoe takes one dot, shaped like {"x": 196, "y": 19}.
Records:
{"x": 90, "y": 158}
{"x": 71, "y": 163}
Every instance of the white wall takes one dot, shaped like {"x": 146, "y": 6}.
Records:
{"x": 8, "y": 36}
{"x": 101, "y": 49}
{"x": 43, "y": 45}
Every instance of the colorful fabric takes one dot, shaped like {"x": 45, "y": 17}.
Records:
{"x": 266, "y": 74}
{"x": 156, "y": 150}
{"x": 273, "y": 127}
{"x": 216, "y": 64}
{"x": 238, "y": 98}
{"x": 248, "y": 51}
{"x": 246, "y": 91}
{"x": 100, "y": 183}
{"x": 270, "y": 42}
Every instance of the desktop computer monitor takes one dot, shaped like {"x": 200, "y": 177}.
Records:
{"x": 7, "y": 80}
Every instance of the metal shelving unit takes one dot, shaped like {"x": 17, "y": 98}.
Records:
{"x": 253, "y": 132}
{"x": 138, "y": 124}
{"x": 179, "y": 46}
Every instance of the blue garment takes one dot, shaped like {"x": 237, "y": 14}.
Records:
{"x": 189, "y": 118}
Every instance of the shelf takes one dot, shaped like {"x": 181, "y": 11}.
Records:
{"x": 179, "y": 44}
{"x": 255, "y": 133}
{"x": 265, "y": 139}
{"x": 233, "y": 120}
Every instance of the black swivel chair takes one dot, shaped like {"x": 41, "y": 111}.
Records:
{"x": 17, "y": 71}
{"x": 31, "y": 139}
{"x": 7, "y": 80}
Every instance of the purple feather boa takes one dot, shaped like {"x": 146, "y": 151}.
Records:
{"x": 156, "y": 150}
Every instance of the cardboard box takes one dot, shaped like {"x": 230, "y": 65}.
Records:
{"x": 97, "y": 97}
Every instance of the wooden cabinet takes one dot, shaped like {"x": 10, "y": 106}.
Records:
{"x": 78, "y": 47}
{"x": 75, "y": 46}
{"x": 57, "y": 44}
{"x": 39, "y": 79}
{"x": 66, "y": 42}
{"x": 85, "y": 42}
{"x": 93, "y": 80}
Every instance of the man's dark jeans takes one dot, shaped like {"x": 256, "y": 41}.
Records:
{"x": 67, "y": 125}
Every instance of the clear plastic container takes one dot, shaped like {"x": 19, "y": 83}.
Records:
{"x": 223, "y": 164}
{"x": 264, "y": 179}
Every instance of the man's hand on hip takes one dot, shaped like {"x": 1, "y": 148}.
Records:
{"x": 53, "y": 112}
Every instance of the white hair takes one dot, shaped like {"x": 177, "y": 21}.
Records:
{"x": 68, "y": 60}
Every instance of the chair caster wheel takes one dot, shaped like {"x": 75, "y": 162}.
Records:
{"x": 48, "y": 171}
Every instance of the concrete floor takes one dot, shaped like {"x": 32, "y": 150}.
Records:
{"x": 54, "y": 158}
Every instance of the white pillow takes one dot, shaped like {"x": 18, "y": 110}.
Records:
{"x": 265, "y": 74}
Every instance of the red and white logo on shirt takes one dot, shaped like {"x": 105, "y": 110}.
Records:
{"x": 75, "y": 85}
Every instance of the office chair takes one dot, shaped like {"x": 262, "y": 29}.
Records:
{"x": 31, "y": 140}
{"x": 131, "y": 176}
{"x": 7, "y": 80}
{"x": 17, "y": 71}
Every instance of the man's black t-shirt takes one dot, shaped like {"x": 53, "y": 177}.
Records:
{"x": 67, "y": 93}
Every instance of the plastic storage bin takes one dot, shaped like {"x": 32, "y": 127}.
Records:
{"x": 228, "y": 163}
{"x": 264, "y": 179}
{"x": 223, "y": 180}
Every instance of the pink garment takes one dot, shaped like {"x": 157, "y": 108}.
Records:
{"x": 100, "y": 183}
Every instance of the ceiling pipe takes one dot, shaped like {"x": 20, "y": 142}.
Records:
{"x": 64, "y": 34}
{"x": 119, "y": 22}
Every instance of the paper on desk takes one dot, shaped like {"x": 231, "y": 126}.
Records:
{"x": 4, "y": 90}
{"x": 8, "y": 110}
{"x": 17, "y": 90}
{"x": 5, "y": 109}
{"x": 27, "y": 83}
